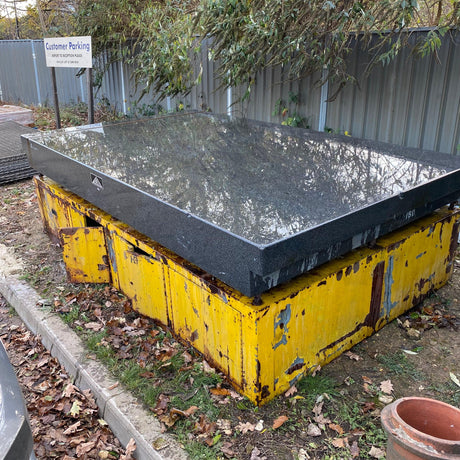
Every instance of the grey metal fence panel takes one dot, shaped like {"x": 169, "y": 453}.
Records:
{"x": 16, "y": 69}
{"x": 413, "y": 101}
{"x": 26, "y": 79}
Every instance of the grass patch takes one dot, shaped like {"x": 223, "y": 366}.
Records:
{"x": 398, "y": 364}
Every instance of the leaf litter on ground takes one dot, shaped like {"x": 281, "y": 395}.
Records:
{"x": 64, "y": 420}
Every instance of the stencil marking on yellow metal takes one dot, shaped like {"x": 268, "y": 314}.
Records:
{"x": 265, "y": 344}
{"x": 85, "y": 254}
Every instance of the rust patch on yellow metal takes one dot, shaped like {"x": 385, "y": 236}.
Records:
{"x": 85, "y": 254}
{"x": 263, "y": 344}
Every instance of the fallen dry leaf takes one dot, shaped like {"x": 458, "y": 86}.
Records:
{"x": 454, "y": 379}
{"x": 354, "y": 449}
{"x": 303, "y": 455}
{"x": 187, "y": 357}
{"x": 255, "y": 455}
{"x": 245, "y": 427}
{"x": 336, "y": 428}
{"x": 279, "y": 421}
{"x": 413, "y": 333}
{"x": 207, "y": 368}
{"x": 291, "y": 391}
{"x": 72, "y": 428}
{"x": 184, "y": 413}
{"x": 386, "y": 387}
{"x": 318, "y": 408}
{"x": 225, "y": 426}
{"x": 226, "y": 448}
{"x": 169, "y": 419}
{"x": 322, "y": 420}
{"x": 376, "y": 452}
{"x": 130, "y": 448}
{"x": 220, "y": 391}
{"x": 161, "y": 405}
{"x": 367, "y": 388}
{"x": 69, "y": 390}
{"x": 205, "y": 427}
{"x": 368, "y": 406}
{"x": 160, "y": 443}
{"x": 340, "y": 443}
{"x": 84, "y": 448}
{"x": 316, "y": 371}
{"x": 353, "y": 356}
{"x": 75, "y": 409}
{"x": 313, "y": 430}
{"x": 94, "y": 326}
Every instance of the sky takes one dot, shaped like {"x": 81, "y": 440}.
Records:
{"x": 20, "y": 5}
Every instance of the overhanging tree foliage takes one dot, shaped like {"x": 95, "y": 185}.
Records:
{"x": 246, "y": 36}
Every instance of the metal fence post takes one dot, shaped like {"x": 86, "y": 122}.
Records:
{"x": 323, "y": 101}
{"x": 37, "y": 82}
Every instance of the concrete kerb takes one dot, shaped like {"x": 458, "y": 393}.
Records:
{"x": 125, "y": 416}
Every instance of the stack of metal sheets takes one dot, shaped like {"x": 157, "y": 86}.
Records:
{"x": 13, "y": 162}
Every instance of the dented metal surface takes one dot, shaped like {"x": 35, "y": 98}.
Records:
{"x": 262, "y": 343}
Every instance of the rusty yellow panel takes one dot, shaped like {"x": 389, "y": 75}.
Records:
{"x": 265, "y": 346}
{"x": 85, "y": 254}
{"x": 344, "y": 301}
{"x": 139, "y": 275}
{"x": 56, "y": 212}
{"x": 203, "y": 315}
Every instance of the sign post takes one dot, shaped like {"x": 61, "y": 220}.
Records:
{"x": 70, "y": 52}
{"x": 55, "y": 98}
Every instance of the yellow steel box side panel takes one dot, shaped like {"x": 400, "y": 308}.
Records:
{"x": 264, "y": 344}
{"x": 139, "y": 275}
{"x": 421, "y": 264}
{"x": 325, "y": 316}
{"x": 207, "y": 321}
{"x": 358, "y": 296}
{"x": 85, "y": 254}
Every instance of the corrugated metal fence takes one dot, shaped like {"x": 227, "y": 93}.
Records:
{"x": 413, "y": 102}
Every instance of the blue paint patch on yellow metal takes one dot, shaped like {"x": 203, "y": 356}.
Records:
{"x": 224, "y": 297}
{"x": 281, "y": 322}
{"x": 295, "y": 379}
{"x": 388, "y": 305}
{"x": 113, "y": 259}
{"x": 420, "y": 255}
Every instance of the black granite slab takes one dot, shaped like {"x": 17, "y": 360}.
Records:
{"x": 254, "y": 204}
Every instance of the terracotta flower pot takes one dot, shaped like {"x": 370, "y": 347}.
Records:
{"x": 421, "y": 428}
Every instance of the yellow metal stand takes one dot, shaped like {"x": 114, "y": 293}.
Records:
{"x": 264, "y": 344}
